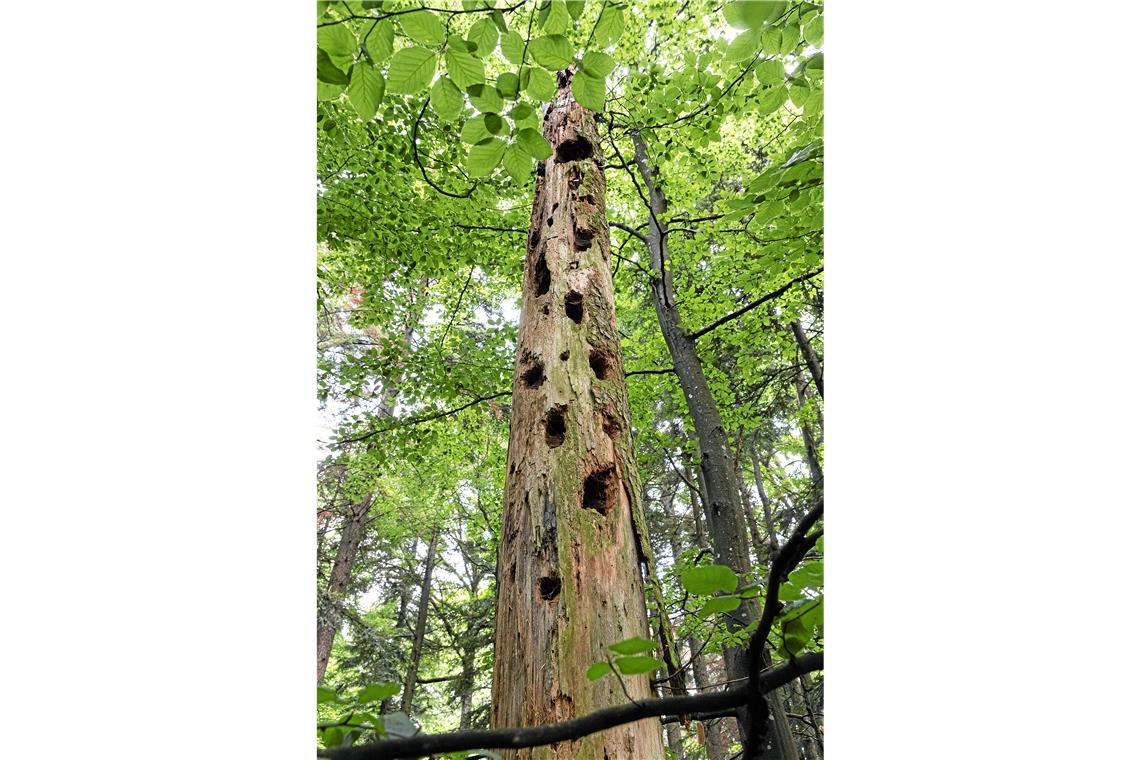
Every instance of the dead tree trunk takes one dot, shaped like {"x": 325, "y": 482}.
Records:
{"x": 569, "y": 578}
{"x": 329, "y": 617}
{"x": 421, "y": 625}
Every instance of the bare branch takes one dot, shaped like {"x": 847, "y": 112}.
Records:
{"x": 745, "y": 309}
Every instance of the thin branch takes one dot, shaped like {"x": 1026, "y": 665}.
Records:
{"x": 423, "y": 171}
{"x": 663, "y": 371}
{"x": 576, "y": 728}
{"x": 419, "y": 419}
{"x": 745, "y": 309}
{"x": 631, "y": 231}
{"x": 452, "y": 12}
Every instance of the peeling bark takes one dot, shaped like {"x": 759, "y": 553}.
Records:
{"x": 569, "y": 582}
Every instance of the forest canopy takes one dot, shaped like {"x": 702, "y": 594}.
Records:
{"x": 570, "y": 374}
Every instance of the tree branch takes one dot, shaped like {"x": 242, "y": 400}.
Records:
{"x": 631, "y": 231}
{"x": 420, "y": 419}
{"x": 745, "y": 309}
{"x": 576, "y": 728}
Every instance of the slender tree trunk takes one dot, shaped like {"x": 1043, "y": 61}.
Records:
{"x": 811, "y": 452}
{"x": 726, "y": 517}
{"x": 746, "y": 500}
{"x": 810, "y": 357}
{"x": 421, "y": 626}
{"x": 816, "y": 740}
{"x": 569, "y": 578}
{"x": 328, "y": 621}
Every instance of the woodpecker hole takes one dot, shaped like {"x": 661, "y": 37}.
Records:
{"x": 600, "y": 363}
{"x": 549, "y": 588}
{"x": 541, "y": 275}
{"x": 610, "y": 423}
{"x": 534, "y": 236}
{"x": 550, "y": 221}
{"x": 556, "y": 426}
{"x": 583, "y": 239}
{"x": 533, "y": 375}
{"x": 599, "y": 491}
{"x": 564, "y": 355}
{"x": 575, "y": 149}
{"x": 541, "y": 171}
{"x": 574, "y": 306}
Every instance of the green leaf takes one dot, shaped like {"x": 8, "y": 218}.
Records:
{"x": 552, "y": 52}
{"x": 485, "y": 36}
{"x": 632, "y": 666}
{"x": 575, "y": 8}
{"x": 744, "y": 46}
{"x": 611, "y": 26}
{"x": 327, "y": 71}
{"x": 534, "y": 143}
{"x": 508, "y": 85}
{"x": 521, "y": 112}
{"x": 398, "y": 724}
{"x": 512, "y": 46}
{"x": 365, "y": 89}
{"x": 423, "y": 26}
{"x": 494, "y": 123}
{"x": 325, "y": 694}
{"x": 770, "y": 72}
{"x": 589, "y": 91}
{"x": 771, "y": 99}
{"x": 378, "y": 41}
{"x": 464, "y": 68}
{"x": 709, "y": 579}
{"x": 411, "y": 70}
{"x": 718, "y": 605}
{"x": 813, "y": 67}
{"x": 485, "y": 98}
{"x": 517, "y": 162}
{"x": 634, "y": 645}
{"x": 485, "y": 156}
{"x": 336, "y": 40}
{"x": 597, "y": 64}
{"x": 771, "y": 40}
{"x": 328, "y": 92}
{"x": 790, "y": 38}
{"x": 810, "y": 573}
{"x": 374, "y": 692}
{"x": 813, "y": 31}
{"x": 558, "y": 20}
{"x": 789, "y": 592}
{"x": 541, "y": 86}
{"x": 597, "y": 670}
{"x": 474, "y": 131}
{"x": 752, "y": 14}
{"x": 446, "y": 99}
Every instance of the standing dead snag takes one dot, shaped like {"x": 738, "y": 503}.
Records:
{"x": 569, "y": 577}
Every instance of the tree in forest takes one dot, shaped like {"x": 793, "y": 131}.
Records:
{"x": 569, "y": 576}
{"x": 699, "y": 285}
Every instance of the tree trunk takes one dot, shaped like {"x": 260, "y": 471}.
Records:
{"x": 746, "y": 500}
{"x": 811, "y": 452}
{"x": 421, "y": 625}
{"x": 810, "y": 356}
{"x": 328, "y": 621}
{"x": 726, "y": 517}
{"x": 569, "y": 582}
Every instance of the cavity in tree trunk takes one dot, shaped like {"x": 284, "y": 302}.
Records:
{"x": 421, "y": 625}
{"x": 569, "y": 583}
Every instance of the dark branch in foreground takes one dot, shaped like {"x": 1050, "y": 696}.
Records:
{"x": 745, "y": 309}
{"x": 517, "y": 738}
{"x": 419, "y": 419}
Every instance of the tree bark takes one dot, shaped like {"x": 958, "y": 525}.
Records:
{"x": 811, "y": 452}
{"x": 421, "y": 626}
{"x": 328, "y": 621}
{"x": 726, "y": 517}
{"x": 569, "y": 581}
{"x": 810, "y": 356}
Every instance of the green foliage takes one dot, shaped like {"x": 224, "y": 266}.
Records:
{"x": 709, "y": 579}
{"x": 418, "y": 293}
